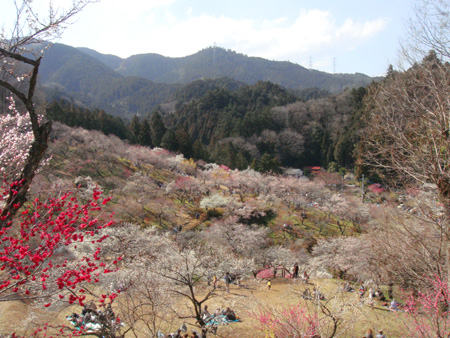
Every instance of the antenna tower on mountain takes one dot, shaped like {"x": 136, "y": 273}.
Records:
{"x": 214, "y": 54}
{"x": 334, "y": 65}
{"x": 310, "y": 62}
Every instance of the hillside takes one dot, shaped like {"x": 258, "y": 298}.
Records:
{"x": 178, "y": 222}
{"x": 238, "y": 128}
{"x": 67, "y": 72}
{"x": 240, "y": 221}
{"x": 138, "y": 84}
{"x": 262, "y": 126}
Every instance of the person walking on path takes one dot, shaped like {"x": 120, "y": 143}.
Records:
{"x": 295, "y": 271}
{"x": 269, "y": 284}
{"x": 227, "y": 281}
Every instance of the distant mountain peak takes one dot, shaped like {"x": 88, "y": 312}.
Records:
{"x": 216, "y": 62}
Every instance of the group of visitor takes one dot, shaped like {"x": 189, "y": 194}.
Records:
{"x": 228, "y": 314}
{"x": 93, "y": 320}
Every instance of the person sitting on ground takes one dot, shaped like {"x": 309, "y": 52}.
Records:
{"x": 305, "y": 276}
{"x": 318, "y": 295}
{"x": 347, "y": 287}
{"x": 194, "y": 334}
{"x": 361, "y": 292}
{"x": 206, "y": 316}
{"x": 380, "y": 334}
{"x": 229, "y": 314}
{"x": 306, "y": 294}
{"x": 394, "y": 305}
{"x": 76, "y": 319}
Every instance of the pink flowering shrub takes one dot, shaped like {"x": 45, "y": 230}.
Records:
{"x": 293, "y": 322}
{"x": 16, "y": 137}
{"x": 428, "y": 312}
{"x": 376, "y": 188}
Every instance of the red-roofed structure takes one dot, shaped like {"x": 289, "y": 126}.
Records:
{"x": 312, "y": 169}
{"x": 268, "y": 272}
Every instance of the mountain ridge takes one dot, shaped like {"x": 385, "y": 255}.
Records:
{"x": 140, "y": 83}
{"x": 213, "y": 62}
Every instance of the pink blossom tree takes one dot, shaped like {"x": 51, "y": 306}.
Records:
{"x": 20, "y": 59}
{"x": 428, "y": 312}
{"x": 15, "y": 141}
{"x": 293, "y": 321}
{"x": 38, "y": 251}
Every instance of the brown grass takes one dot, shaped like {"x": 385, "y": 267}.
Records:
{"x": 245, "y": 301}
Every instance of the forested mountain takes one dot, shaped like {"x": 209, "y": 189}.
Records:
{"x": 68, "y": 72}
{"x": 136, "y": 85}
{"x": 215, "y": 118}
{"x": 216, "y": 62}
{"x": 263, "y": 126}
{"x": 266, "y": 122}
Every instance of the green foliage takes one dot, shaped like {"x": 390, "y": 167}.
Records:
{"x": 145, "y": 134}
{"x": 74, "y": 116}
{"x": 184, "y": 142}
{"x": 134, "y": 129}
{"x": 169, "y": 141}
{"x": 238, "y": 126}
{"x": 157, "y": 128}
{"x": 332, "y": 167}
{"x": 266, "y": 164}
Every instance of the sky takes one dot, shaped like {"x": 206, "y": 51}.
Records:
{"x": 341, "y": 36}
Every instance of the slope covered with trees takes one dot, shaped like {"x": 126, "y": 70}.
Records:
{"x": 236, "y": 128}
{"x": 206, "y": 219}
{"x": 135, "y": 85}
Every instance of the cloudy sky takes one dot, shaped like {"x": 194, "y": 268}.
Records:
{"x": 345, "y": 36}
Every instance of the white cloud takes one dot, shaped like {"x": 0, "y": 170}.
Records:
{"x": 160, "y": 28}
{"x": 313, "y": 31}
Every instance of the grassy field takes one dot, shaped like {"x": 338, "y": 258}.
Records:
{"x": 252, "y": 296}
